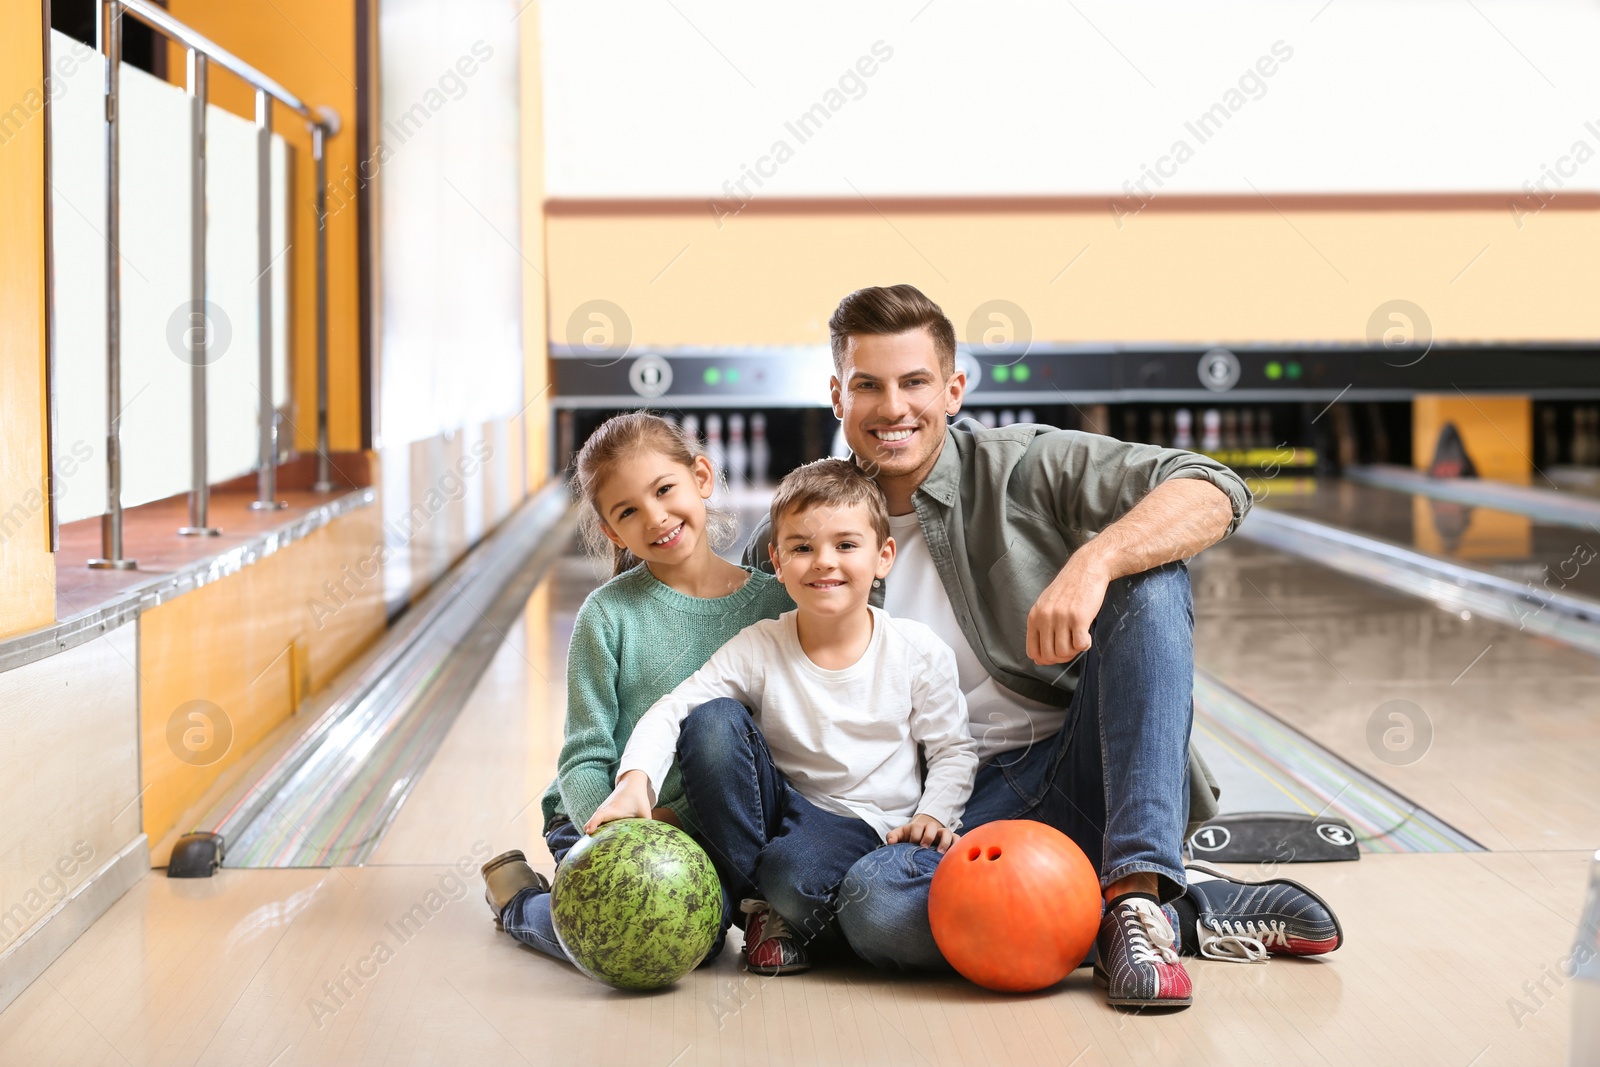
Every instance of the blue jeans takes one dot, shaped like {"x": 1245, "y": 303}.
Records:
{"x": 767, "y": 841}
{"x": 1115, "y": 779}
{"x": 527, "y": 916}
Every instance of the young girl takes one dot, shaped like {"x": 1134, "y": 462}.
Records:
{"x": 670, "y": 604}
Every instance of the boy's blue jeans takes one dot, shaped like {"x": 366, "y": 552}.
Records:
{"x": 768, "y": 842}
{"x": 527, "y": 916}
{"x": 1115, "y": 779}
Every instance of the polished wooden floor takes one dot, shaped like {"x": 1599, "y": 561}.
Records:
{"x": 281, "y": 967}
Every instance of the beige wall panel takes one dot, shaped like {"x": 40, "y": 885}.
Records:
{"x": 68, "y": 799}
{"x": 773, "y": 276}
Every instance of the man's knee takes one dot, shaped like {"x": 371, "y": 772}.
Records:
{"x": 712, "y": 728}
{"x": 1155, "y": 598}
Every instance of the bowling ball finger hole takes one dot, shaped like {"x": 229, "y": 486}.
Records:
{"x": 973, "y": 853}
{"x": 994, "y": 852}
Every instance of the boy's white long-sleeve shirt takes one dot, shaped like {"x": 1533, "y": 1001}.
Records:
{"x": 847, "y": 739}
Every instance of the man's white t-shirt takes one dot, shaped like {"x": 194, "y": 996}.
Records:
{"x": 846, "y": 739}
{"x": 1002, "y": 720}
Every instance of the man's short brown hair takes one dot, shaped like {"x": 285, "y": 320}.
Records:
{"x": 890, "y": 310}
{"x": 829, "y": 483}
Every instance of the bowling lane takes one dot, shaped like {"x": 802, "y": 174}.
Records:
{"x": 1502, "y": 543}
{"x": 486, "y": 780}
{"x": 1505, "y": 741}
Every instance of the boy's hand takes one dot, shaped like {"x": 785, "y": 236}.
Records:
{"x": 926, "y": 831}
{"x": 629, "y": 800}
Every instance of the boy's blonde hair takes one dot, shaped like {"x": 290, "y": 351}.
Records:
{"x": 830, "y": 483}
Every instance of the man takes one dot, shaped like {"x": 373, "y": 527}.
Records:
{"x": 1028, "y": 549}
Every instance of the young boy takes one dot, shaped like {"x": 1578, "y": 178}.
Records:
{"x": 823, "y": 767}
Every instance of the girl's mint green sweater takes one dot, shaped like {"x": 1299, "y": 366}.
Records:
{"x": 633, "y": 641}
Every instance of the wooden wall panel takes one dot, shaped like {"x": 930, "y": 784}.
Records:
{"x": 253, "y": 645}
{"x": 27, "y": 569}
{"x": 535, "y": 421}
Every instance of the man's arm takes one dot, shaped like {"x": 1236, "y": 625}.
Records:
{"x": 1175, "y": 520}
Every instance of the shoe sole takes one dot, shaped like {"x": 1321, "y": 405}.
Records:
{"x": 1338, "y": 930}
{"x": 777, "y": 972}
{"x": 1132, "y": 1002}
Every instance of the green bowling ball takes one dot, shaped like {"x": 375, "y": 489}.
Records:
{"x": 637, "y": 905}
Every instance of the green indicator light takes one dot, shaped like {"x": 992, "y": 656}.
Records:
{"x": 1274, "y": 370}
{"x": 1020, "y": 372}
{"x": 732, "y": 375}
{"x": 1294, "y": 371}
{"x": 1001, "y": 373}
{"x": 713, "y": 376}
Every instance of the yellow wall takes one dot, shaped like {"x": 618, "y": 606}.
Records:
{"x": 536, "y": 352}
{"x": 1497, "y": 431}
{"x": 308, "y": 46}
{"x": 773, "y": 276}
{"x": 27, "y": 570}
{"x": 253, "y": 645}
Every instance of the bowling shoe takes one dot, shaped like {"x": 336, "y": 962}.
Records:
{"x": 507, "y": 875}
{"x": 770, "y": 947}
{"x": 1244, "y": 921}
{"x": 1136, "y": 957}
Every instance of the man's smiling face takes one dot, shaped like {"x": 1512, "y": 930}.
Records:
{"x": 892, "y": 398}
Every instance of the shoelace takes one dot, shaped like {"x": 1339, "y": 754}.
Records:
{"x": 1150, "y": 936}
{"x": 1234, "y": 948}
{"x": 1267, "y": 931}
{"x": 772, "y": 924}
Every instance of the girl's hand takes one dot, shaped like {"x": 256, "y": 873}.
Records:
{"x": 926, "y": 831}
{"x": 629, "y": 800}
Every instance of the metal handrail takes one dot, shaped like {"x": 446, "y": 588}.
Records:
{"x": 322, "y": 123}
{"x": 158, "y": 19}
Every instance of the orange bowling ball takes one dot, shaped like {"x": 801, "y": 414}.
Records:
{"x": 1015, "y": 905}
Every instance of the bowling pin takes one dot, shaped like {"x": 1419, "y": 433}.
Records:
{"x": 691, "y": 430}
{"x": 1008, "y": 418}
{"x": 841, "y": 447}
{"x": 760, "y": 451}
{"x": 1158, "y": 431}
{"x": 1247, "y": 429}
{"x": 738, "y": 453}
{"x": 1264, "y": 429}
{"x": 1027, "y": 415}
{"x": 1230, "y": 429}
{"x": 715, "y": 452}
{"x": 1182, "y": 429}
{"x": 1550, "y": 438}
{"x": 987, "y": 418}
{"x": 1211, "y": 430}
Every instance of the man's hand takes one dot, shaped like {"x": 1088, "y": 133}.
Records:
{"x": 924, "y": 830}
{"x": 1059, "y": 621}
{"x": 629, "y": 800}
